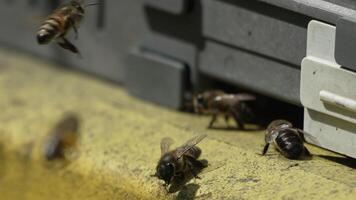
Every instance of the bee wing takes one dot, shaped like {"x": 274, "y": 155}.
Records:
{"x": 189, "y": 144}
{"x": 51, "y": 147}
{"x": 34, "y": 20}
{"x": 165, "y": 144}
{"x": 245, "y": 97}
{"x": 212, "y": 167}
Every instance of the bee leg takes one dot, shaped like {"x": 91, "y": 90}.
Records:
{"x": 195, "y": 171}
{"x": 227, "y": 117}
{"x": 238, "y": 120}
{"x": 177, "y": 183}
{"x": 265, "y": 149}
{"x": 72, "y": 23}
{"x": 195, "y": 166}
{"x": 75, "y": 31}
{"x": 165, "y": 187}
{"x": 213, "y": 119}
{"x": 65, "y": 44}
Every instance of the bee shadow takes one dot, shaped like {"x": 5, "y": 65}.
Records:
{"x": 180, "y": 184}
{"x": 230, "y": 128}
{"x": 188, "y": 192}
{"x": 56, "y": 164}
{"x": 346, "y": 161}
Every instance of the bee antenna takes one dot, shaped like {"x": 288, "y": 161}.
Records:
{"x": 91, "y": 4}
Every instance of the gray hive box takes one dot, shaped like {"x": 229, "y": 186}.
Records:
{"x": 257, "y": 45}
{"x": 250, "y": 37}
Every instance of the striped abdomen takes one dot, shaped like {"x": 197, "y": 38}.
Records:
{"x": 290, "y": 144}
{"x": 53, "y": 27}
{"x": 194, "y": 152}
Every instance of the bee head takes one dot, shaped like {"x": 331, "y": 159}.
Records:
{"x": 77, "y": 5}
{"x": 274, "y": 128}
{"x": 165, "y": 169}
{"x": 200, "y": 103}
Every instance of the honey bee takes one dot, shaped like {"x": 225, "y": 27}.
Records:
{"x": 65, "y": 135}
{"x": 57, "y": 25}
{"x": 287, "y": 139}
{"x": 216, "y": 102}
{"x": 177, "y": 166}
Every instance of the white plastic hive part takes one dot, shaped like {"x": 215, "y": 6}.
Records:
{"x": 327, "y": 93}
{"x": 336, "y": 100}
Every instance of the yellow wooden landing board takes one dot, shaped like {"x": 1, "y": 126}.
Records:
{"x": 120, "y": 146}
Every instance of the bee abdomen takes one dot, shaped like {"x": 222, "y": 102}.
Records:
{"x": 194, "y": 152}
{"x": 290, "y": 144}
{"x": 48, "y": 31}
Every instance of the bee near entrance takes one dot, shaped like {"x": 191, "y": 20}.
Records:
{"x": 288, "y": 140}
{"x": 178, "y": 166}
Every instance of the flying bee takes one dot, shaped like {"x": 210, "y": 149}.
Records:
{"x": 57, "y": 25}
{"x": 217, "y": 102}
{"x": 177, "y": 166}
{"x": 287, "y": 139}
{"x": 64, "y": 136}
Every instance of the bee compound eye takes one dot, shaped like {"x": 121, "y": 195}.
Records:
{"x": 169, "y": 168}
{"x": 169, "y": 165}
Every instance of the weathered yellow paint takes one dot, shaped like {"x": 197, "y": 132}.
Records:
{"x": 120, "y": 146}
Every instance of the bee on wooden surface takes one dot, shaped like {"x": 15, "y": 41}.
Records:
{"x": 57, "y": 25}
{"x": 64, "y": 136}
{"x": 287, "y": 140}
{"x": 217, "y": 102}
{"x": 177, "y": 166}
